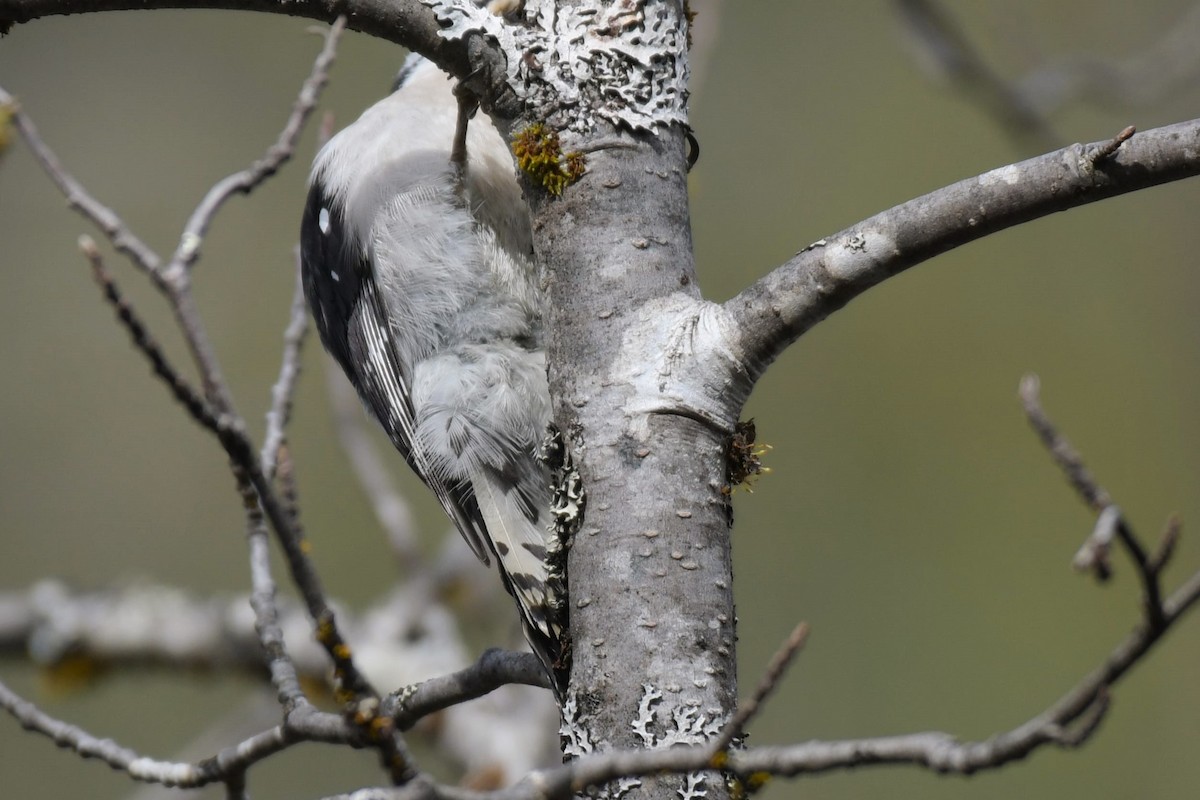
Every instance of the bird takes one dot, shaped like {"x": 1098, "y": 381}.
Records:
{"x": 417, "y": 265}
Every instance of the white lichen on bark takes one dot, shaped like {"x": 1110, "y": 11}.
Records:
{"x": 576, "y": 741}
{"x": 645, "y": 717}
{"x": 685, "y": 725}
{"x": 624, "y": 63}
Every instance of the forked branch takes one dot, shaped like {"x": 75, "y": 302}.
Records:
{"x": 214, "y": 409}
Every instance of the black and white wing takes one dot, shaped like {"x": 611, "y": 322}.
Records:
{"x": 352, "y": 323}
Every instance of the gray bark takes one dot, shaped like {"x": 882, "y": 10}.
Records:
{"x": 651, "y": 603}
{"x": 648, "y": 378}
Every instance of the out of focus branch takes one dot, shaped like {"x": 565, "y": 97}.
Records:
{"x": 407, "y": 639}
{"x": 1022, "y": 106}
{"x": 143, "y": 625}
{"x": 1167, "y": 65}
{"x": 390, "y": 506}
{"x": 943, "y": 46}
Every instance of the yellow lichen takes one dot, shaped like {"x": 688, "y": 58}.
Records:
{"x": 757, "y": 780}
{"x": 70, "y": 674}
{"x": 540, "y": 156}
{"x": 6, "y": 127}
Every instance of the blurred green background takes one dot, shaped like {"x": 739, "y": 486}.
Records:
{"x": 910, "y": 517}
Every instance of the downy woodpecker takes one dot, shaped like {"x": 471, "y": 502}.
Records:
{"x": 420, "y": 275}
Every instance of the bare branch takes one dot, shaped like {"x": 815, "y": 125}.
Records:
{"x": 825, "y": 276}
{"x": 80, "y": 741}
{"x": 1066, "y": 456}
{"x": 495, "y": 668}
{"x": 174, "y": 629}
{"x": 306, "y": 725}
{"x": 409, "y": 23}
{"x": 247, "y": 180}
{"x": 1110, "y": 521}
{"x": 197, "y": 407}
{"x": 1022, "y": 106}
{"x": 273, "y": 452}
{"x": 1166, "y": 545}
{"x": 864, "y": 255}
{"x": 283, "y": 392}
{"x": 404, "y": 639}
{"x": 353, "y": 690}
{"x": 1067, "y": 723}
{"x": 749, "y": 708}
{"x": 79, "y": 199}
{"x": 943, "y": 753}
{"x": 1150, "y": 74}
{"x": 235, "y": 787}
{"x": 1092, "y": 555}
{"x": 266, "y": 610}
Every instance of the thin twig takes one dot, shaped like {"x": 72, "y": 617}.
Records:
{"x": 1023, "y": 106}
{"x": 1071, "y": 463}
{"x": 325, "y": 130}
{"x": 1150, "y": 74}
{"x": 79, "y": 199}
{"x": 282, "y": 668}
{"x": 1093, "y": 554}
{"x": 750, "y": 707}
{"x": 391, "y": 508}
{"x": 284, "y": 390}
{"x": 311, "y": 726}
{"x": 231, "y": 427}
{"x": 1106, "y": 152}
{"x": 220, "y": 413}
{"x": 188, "y": 397}
{"x": 495, "y": 668}
{"x": 279, "y": 153}
{"x": 1066, "y": 724}
{"x": 359, "y": 699}
{"x": 1066, "y": 456}
{"x": 1166, "y": 544}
